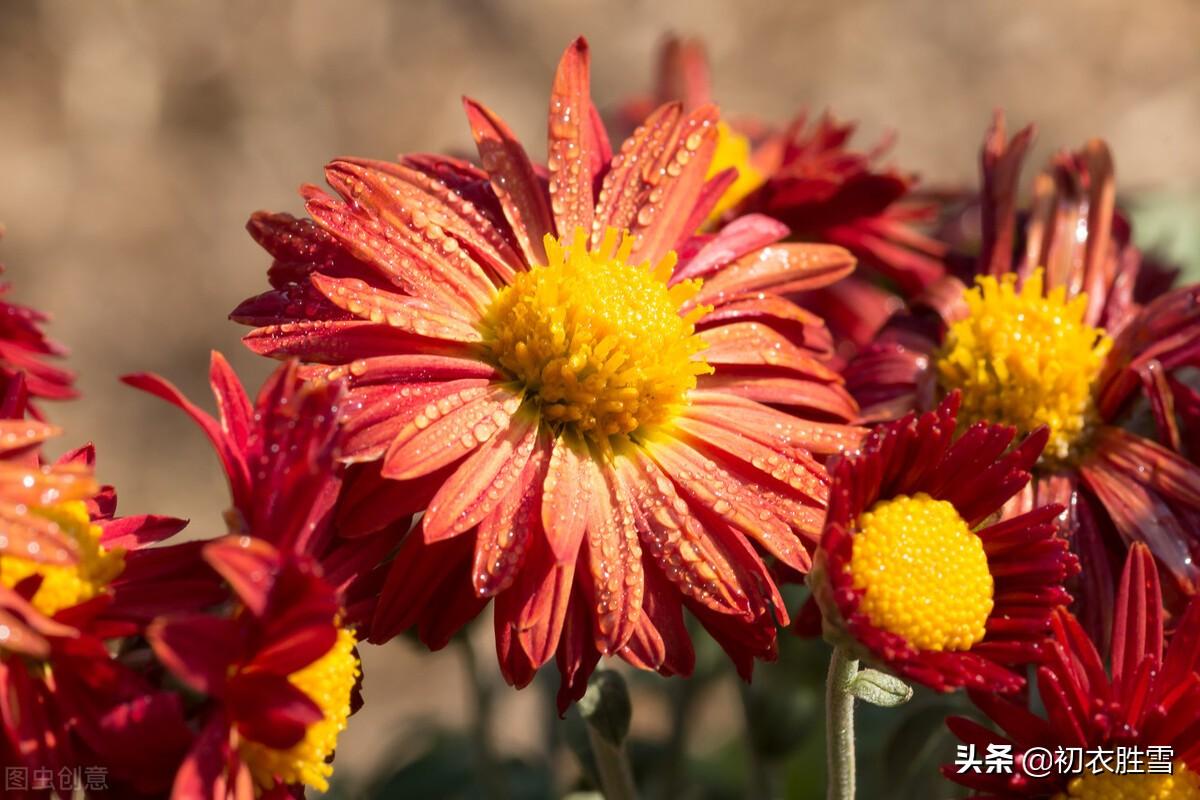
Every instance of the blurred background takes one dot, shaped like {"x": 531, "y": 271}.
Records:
{"x": 136, "y": 139}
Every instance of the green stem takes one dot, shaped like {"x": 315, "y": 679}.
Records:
{"x": 839, "y": 726}
{"x": 612, "y": 762}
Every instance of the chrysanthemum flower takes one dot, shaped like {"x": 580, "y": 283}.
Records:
{"x": 576, "y": 390}
{"x": 914, "y": 574}
{"x": 808, "y": 177}
{"x": 279, "y": 455}
{"x": 1147, "y": 699}
{"x": 24, "y": 347}
{"x": 279, "y": 670}
{"x": 1048, "y": 333}
{"x": 74, "y": 576}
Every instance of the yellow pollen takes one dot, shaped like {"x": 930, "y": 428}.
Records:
{"x": 598, "y": 343}
{"x": 328, "y": 681}
{"x": 1026, "y": 359}
{"x": 923, "y": 573}
{"x": 733, "y": 150}
{"x": 1183, "y": 784}
{"x": 68, "y": 585}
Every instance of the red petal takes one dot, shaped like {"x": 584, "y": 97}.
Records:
{"x": 1138, "y": 624}
{"x": 201, "y": 776}
{"x": 249, "y": 565}
{"x": 197, "y": 648}
{"x": 270, "y": 710}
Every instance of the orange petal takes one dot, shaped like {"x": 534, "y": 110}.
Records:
{"x": 18, "y": 434}
{"x": 825, "y": 398}
{"x": 535, "y": 606}
{"x": 742, "y": 504}
{"x": 505, "y": 532}
{"x": 480, "y": 482}
{"x": 410, "y": 314}
{"x": 771, "y": 427}
{"x": 460, "y": 424}
{"x": 572, "y": 142}
{"x": 678, "y": 542}
{"x": 788, "y": 267}
{"x": 343, "y": 341}
{"x": 411, "y": 222}
{"x": 624, "y": 186}
{"x": 566, "y": 497}
{"x": 445, "y": 206}
{"x": 381, "y": 246}
{"x": 672, "y": 186}
{"x": 754, "y": 344}
{"x": 615, "y": 559}
{"x": 513, "y": 180}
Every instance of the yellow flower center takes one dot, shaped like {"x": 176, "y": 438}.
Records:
{"x": 64, "y": 586}
{"x": 597, "y": 342}
{"x": 923, "y": 573}
{"x": 1183, "y": 784}
{"x": 328, "y": 681}
{"x": 733, "y": 150}
{"x": 1026, "y": 359}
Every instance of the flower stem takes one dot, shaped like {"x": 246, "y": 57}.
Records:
{"x": 606, "y": 709}
{"x": 612, "y": 762}
{"x": 839, "y": 725}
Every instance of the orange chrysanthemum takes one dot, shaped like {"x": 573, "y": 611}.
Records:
{"x": 581, "y": 394}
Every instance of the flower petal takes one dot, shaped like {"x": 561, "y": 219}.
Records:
{"x": 572, "y": 142}
{"x": 462, "y": 423}
{"x": 197, "y": 648}
{"x": 410, "y": 314}
{"x": 513, "y": 180}
{"x": 780, "y": 268}
{"x": 482, "y": 480}
{"x": 504, "y": 534}
{"x": 614, "y": 555}
{"x": 567, "y": 497}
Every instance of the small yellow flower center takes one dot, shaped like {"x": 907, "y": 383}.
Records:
{"x": 1026, "y": 359}
{"x": 1183, "y": 784}
{"x": 923, "y": 573}
{"x": 328, "y": 681}
{"x": 733, "y": 150}
{"x": 67, "y": 585}
{"x": 598, "y": 343}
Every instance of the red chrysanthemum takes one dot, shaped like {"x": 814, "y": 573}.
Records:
{"x": 808, "y": 177}
{"x": 72, "y": 577}
{"x": 914, "y": 574}
{"x": 278, "y": 670}
{"x": 1051, "y": 333}
{"x": 1148, "y": 698}
{"x": 576, "y": 390}
{"x": 279, "y": 455}
{"x": 24, "y": 347}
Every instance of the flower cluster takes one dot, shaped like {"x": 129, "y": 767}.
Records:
{"x": 620, "y": 397}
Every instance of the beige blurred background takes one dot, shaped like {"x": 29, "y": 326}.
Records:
{"x": 136, "y": 138}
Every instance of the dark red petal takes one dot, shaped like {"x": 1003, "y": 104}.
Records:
{"x": 198, "y": 648}
{"x": 269, "y": 709}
